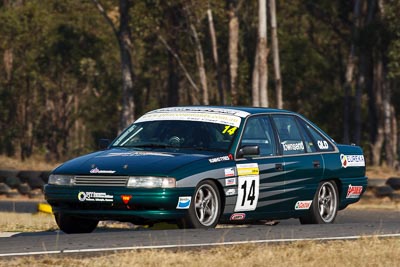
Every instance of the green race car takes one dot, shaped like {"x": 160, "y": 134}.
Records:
{"x": 199, "y": 166}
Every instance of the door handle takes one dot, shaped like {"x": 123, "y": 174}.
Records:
{"x": 316, "y": 164}
{"x": 279, "y": 167}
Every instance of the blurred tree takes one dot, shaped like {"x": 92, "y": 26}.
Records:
{"x": 123, "y": 34}
{"x": 60, "y": 89}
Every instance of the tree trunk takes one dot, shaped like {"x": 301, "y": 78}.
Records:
{"x": 8, "y": 63}
{"x": 173, "y": 82}
{"x": 200, "y": 66}
{"x": 394, "y": 136}
{"x": 388, "y": 126}
{"x": 388, "y": 111}
{"x": 275, "y": 55}
{"x": 124, "y": 37}
{"x": 263, "y": 53}
{"x": 364, "y": 78}
{"x": 376, "y": 114}
{"x": 347, "y": 87}
{"x": 233, "y": 50}
{"x": 255, "y": 88}
{"x": 214, "y": 44}
{"x": 192, "y": 96}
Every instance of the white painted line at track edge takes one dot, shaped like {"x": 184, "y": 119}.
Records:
{"x": 197, "y": 245}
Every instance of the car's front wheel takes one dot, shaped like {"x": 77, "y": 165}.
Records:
{"x": 205, "y": 208}
{"x": 324, "y": 206}
{"x": 74, "y": 225}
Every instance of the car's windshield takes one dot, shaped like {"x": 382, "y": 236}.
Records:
{"x": 181, "y": 134}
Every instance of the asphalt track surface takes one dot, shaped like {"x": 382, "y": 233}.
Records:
{"x": 350, "y": 224}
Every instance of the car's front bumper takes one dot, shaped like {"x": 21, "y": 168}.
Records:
{"x": 124, "y": 204}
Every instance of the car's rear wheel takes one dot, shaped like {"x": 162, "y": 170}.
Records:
{"x": 324, "y": 206}
{"x": 75, "y": 225}
{"x": 205, "y": 208}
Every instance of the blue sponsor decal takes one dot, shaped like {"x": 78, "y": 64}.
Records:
{"x": 184, "y": 202}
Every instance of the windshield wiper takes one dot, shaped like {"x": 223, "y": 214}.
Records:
{"x": 153, "y": 145}
{"x": 204, "y": 149}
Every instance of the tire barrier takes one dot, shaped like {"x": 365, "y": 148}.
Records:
{"x": 385, "y": 188}
{"x": 15, "y": 183}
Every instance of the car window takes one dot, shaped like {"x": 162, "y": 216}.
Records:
{"x": 258, "y": 131}
{"x": 310, "y": 143}
{"x": 178, "y": 134}
{"x": 319, "y": 141}
{"x": 290, "y": 138}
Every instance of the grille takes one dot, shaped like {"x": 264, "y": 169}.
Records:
{"x": 101, "y": 180}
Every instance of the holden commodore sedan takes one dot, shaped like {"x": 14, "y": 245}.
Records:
{"x": 200, "y": 166}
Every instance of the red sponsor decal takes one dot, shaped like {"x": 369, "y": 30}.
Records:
{"x": 354, "y": 191}
{"x": 126, "y": 198}
{"x": 238, "y": 216}
{"x": 303, "y": 205}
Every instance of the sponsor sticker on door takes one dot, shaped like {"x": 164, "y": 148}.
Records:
{"x": 229, "y": 172}
{"x": 303, "y": 205}
{"x": 247, "y": 169}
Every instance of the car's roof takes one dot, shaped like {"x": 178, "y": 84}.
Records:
{"x": 250, "y": 110}
{"x": 255, "y": 110}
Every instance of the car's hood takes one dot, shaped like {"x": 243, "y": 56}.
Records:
{"x": 131, "y": 162}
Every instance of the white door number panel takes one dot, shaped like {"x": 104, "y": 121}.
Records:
{"x": 248, "y": 187}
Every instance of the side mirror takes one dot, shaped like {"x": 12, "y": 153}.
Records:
{"x": 103, "y": 144}
{"x": 248, "y": 151}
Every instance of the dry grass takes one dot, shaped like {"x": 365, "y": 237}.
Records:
{"x": 364, "y": 252}
{"x": 370, "y": 202}
{"x": 35, "y": 163}
{"x": 26, "y": 222}
{"x": 382, "y": 172}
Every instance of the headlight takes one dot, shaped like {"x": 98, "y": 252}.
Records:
{"x": 151, "y": 182}
{"x": 57, "y": 179}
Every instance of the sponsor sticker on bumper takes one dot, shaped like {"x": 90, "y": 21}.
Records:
{"x": 184, "y": 203}
{"x": 354, "y": 191}
{"x": 237, "y": 217}
{"x": 95, "y": 197}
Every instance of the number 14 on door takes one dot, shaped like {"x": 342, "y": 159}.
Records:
{"x": 248, "y": 190}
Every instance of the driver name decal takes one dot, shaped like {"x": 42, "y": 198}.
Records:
{"x": 219, "y": 159}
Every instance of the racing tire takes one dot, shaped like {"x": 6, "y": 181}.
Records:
{"x": 205, "y": 207}
{"x": 394, "y": 182}
{"x": 45, "y": 176}
{"x": 325, "y": 204}
{"x": 383, "y": 191}
{"x": 70, "y": 224}
{"x": 6, "y": 174}
{"x": 4, "y": 188}
{"x": 24, "y": 189}
{"x": 25, "y": 176}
